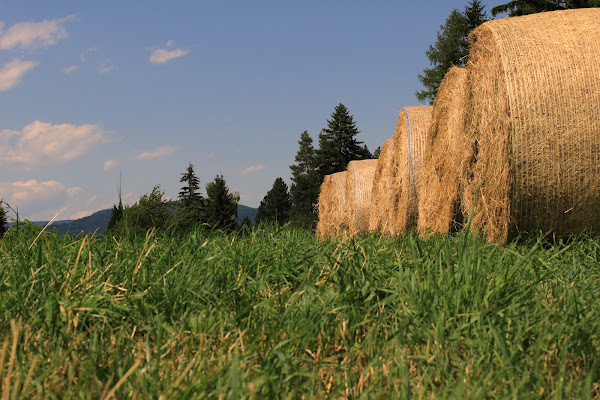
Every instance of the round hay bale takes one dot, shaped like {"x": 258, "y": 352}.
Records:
{"x": 409, "y": 144}
{"x": 359, "y": 182}
{"x": 447, "y": 157}
{"x": 532, "y": 106}
{"x": 381, "y": 194}
{"x": 331, "y": 205}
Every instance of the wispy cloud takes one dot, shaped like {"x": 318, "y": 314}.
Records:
{"x": 162, "y": 56}
{"x": 42, "y": 143}
{"x": 11, "y": 73}
{"x": 32, "y": 35}
{"x": 252, "y": 168}
{"x": 110, "y": 164}
{"x": 106, "y": 67}
{"x": 70, "y": 69}
{"x": 156, "y": 154}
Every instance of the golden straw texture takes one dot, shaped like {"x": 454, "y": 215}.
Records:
{"x": 381, "y": 200}
{"x": 359, "y": 182}
{"x": 447, "y": 157}
{"x": 533, "y": 102}
{"x": 409, "y": 144}
{"x": 331, "y": 205}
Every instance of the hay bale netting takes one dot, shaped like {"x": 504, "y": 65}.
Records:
{"x": 532, "y": 105}
{"x": 409, "y": 143}
{"x": 381, "y": 194}
{"x": 447, "y": 157}
{"x": 331, "y": 205}
{"x": 359, "y": 182}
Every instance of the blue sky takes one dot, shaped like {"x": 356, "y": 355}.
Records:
{"x": 97, "y": 93}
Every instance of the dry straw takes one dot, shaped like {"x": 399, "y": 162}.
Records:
{"x": 381, "y": 194}
{"x": 331, "y": 205}
{"x": 447, "y": 157}
{"x": 359, "y": 182}
{"x": 532, "y": 106}
{"x": 409, "y": 143}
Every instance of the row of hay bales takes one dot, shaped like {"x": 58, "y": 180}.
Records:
{"x": 511, "y": 143}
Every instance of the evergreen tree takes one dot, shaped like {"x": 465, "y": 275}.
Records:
{"x": 275, "y": 206}
{"x": 191, "y": 207}
{"x": 305, "y": 187}
{"x": 377, "y": 152}
{"x": 150, "y": 211}
{"x": 115, "y": 217}
{"x": 524, "y": 7}
{"x": 338, "y": 145}
{"x": 220, "y": 210}
{"x": 451, "y": 47}
{"x": 3, "y": 219}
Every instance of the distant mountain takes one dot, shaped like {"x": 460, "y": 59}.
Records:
{"x": 97, "y": 222}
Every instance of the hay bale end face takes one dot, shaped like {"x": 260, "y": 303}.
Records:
{"x": 532, "y": 106}
{"x": 359, "y": 182}
{"x": 331, "y": 205}
{"x": 409, "y": 143}
{"x": 381, "y": 200}
{"x": 446, "y": 159}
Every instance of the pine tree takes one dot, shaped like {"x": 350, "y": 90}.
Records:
{"x": 338, "y": 145}
{"x": 115, "y": 217}
{"x": 220, "y": 210}
{"x": 191, "y": 207}
{"x": 524, "y": 7}
{"x": 305, "y": 187}
{"x": 377, "y": 152}
{"x": 275, "y": 206}
{"x": 3, "y": 219}
{"x": 451, "y": 48}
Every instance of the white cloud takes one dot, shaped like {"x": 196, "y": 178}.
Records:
{"x": 42, "y": 143}
{"x": 252, "y": 168}
{"x": 162, "y": 56}
{"x": 31, "y": 35}
{"x": 157, "y": 153}
{"x": 106, "y": 67}
{"x": 11, "y": 73}
{"x": 70, "y": 69}
{"x": 110, "y": 164}
{"x": 40, "y": 200}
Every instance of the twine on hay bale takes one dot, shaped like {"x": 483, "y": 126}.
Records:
{"x": 331, "y": 205}
{"x": 381, "y": 194}
{"x": 447, "y": 157}
{"x": 532, "y": 106}
{"x": 409, "y": 144}
{"x": 359, "y": 182}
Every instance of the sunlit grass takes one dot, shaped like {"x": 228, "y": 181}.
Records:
{"x": 277, "y": 313}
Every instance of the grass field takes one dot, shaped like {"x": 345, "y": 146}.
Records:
{"x": 276, "y": 313}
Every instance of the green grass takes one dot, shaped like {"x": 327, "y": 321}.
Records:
{"x": 277, "y": 313}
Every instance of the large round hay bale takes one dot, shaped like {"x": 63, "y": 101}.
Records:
{"x": 532, "y": 106}
{"x": 447, "y": 157}
{"x": 381, "y": 194}
{"x": 409, "y": 143}
{"x": 331, "y": 205}
{"x": 359, "y": 182}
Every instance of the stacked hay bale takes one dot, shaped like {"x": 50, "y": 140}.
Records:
{"x": 533, "y": 96}
{"x": 447, "y": 157}
{"x": 359, "y": 182}
{"x": 409, "y": 144}
{"x": 331, "y": 205}
{"x": 381, "y": 193}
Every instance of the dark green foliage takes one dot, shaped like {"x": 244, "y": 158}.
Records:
{"x": 304, "y": 191}
{"x": 190, "y": 210}
{"x": 275, "y": 206}
{"x": 524, "y": 7}
{"x": 3, "y": 219}
{"x": 451, "y": 48}
{"x": 377, "y": 152}
{"x": 220, "y": 210}
{"x": 338, "y": 145}
{"x": 150, "y": 212}
{"x": 115, "y": 217}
